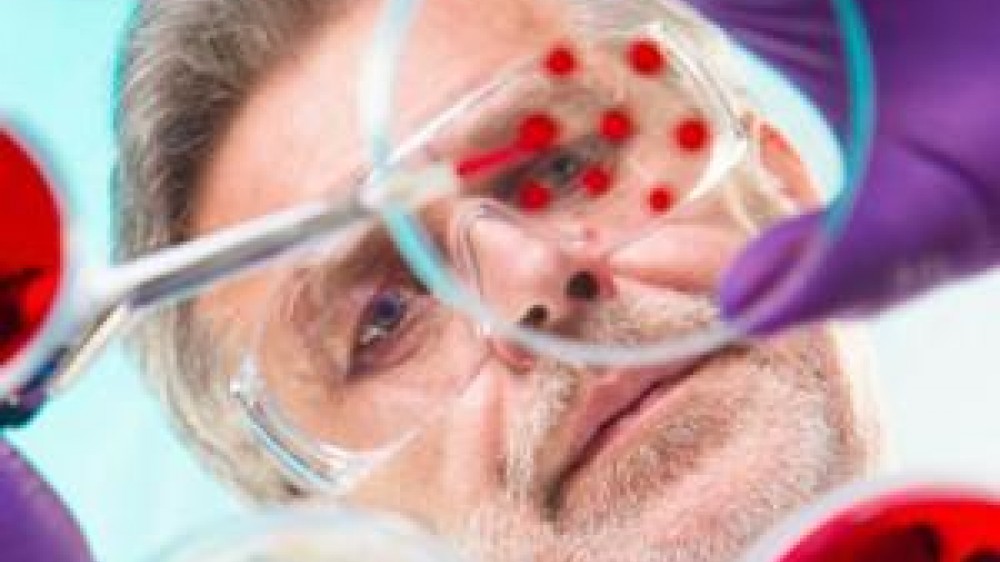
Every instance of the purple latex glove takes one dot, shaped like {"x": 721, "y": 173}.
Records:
{"x": 928, "y": 210}
{"x": 34, "y": 524}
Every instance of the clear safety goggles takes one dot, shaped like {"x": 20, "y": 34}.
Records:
{"x": 536, "y": 216}
{"x": 582, "y": 180}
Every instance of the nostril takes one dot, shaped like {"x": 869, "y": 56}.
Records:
{"x": 535, "y": 317}
{"x": 583, "y": 285}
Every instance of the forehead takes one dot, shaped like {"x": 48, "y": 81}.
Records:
{"x": 299, "y": 133}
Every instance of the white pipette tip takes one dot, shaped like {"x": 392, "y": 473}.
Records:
{"x": 412, "y": 189}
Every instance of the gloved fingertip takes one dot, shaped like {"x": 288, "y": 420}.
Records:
{"x": 760, "y": 268}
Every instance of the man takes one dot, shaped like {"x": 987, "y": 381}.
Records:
{"x": 232, "y": 109}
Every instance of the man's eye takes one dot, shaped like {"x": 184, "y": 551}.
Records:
{"x": 559, "y": 170}
{"x": 562, "y": 170}
{"x": 384, "y": 314}
{"x": 392, "y": 326}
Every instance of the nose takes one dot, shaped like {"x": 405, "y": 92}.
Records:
{"x": 582, "y": 286}
{"x": 538, "y": 279}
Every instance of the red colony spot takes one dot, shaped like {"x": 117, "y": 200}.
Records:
{"x": 534, "y": 196}
{"x": 560, "y": 61}
{"x": 485, "y": 162}
{"x": 596, "y": 181}
{"x": 645, "y": 57}
{"x": 538, "y": 132}
{"x": 692, "y": 134}
{"x": 660, "y": 199}
{"x": 616, "y": 125}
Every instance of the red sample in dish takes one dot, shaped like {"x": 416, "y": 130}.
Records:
{"x": 660, "y": 199}
{"x": 645, "y": 57}
{"x": 534, "y": 196}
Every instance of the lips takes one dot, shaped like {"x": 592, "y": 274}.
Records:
{"x": 613, "y": 409}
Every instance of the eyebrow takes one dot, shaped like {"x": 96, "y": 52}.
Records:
{"x": 363, "y": 255}
{"x": 491, "y": 126}
{"x": 511, "y": 102}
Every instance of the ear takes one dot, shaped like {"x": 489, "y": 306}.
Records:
{"x": 783, "y": 163}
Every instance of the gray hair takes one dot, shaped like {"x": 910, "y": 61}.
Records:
{"x": 187, "y": 68}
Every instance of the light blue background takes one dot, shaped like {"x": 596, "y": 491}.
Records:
{"x": 105, "y": 446}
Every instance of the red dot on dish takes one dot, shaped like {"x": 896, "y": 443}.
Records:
{"x": 616, "y": 125}
{"x": 534, "y": 196}
{"x": 596, "y": 181}
{"x": 538, "y": 132}
{"x": 692, "y": 134}
{"x": 645, "y": 57}
{"x": 660, "y": 199}
{"x": 560, "y": 61}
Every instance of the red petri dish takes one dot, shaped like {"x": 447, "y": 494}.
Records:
{"x": 32, "y": 256}
{"x": 910, "y": 525}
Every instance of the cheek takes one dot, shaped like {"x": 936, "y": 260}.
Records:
{"x": 769, "y": 399}
{"x": 233, "y": 313}
{"x": 682, "y": 257}
{"x": 452, "y": 467}
{"x": 474, "y": 433}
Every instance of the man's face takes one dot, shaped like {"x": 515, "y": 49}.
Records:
{"x": 537, "y": 457}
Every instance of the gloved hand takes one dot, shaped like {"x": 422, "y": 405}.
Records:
{"x": 34, "y": 524}
{"x": 928, "y": 209}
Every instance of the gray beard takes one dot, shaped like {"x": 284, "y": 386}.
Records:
{"x": 496, "y": 532}
{"x": 557, "y": 384}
